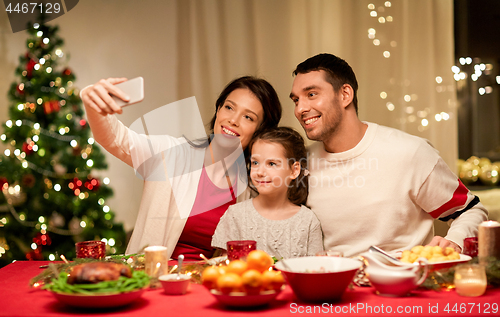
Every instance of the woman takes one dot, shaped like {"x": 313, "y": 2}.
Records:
{"x": 246, "y": 106}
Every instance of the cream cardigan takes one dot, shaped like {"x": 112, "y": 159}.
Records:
{"x": 162, "y": 212}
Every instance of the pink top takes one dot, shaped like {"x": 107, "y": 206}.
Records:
{"x": 210, "y": 204}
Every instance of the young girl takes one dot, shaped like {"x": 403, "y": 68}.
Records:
{"x": 277, "y": 218}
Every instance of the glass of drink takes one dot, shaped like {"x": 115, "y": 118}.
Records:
{"x": 239, "y": 249}
{"x": 470, "y": 246}
{"x": 470, "y": 280}
{"x": 90, "y": 249}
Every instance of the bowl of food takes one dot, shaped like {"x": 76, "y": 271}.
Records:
{"x": 175, "y": 284}
{"x": 244, "y": 283}
{"x": 319, "y": 278}
{"x": 98, "y": 285}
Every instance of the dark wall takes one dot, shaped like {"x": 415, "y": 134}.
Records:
{"x": 477, "y": 35}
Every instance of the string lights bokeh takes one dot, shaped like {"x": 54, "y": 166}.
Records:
{"x": 474, "y": 69}
{"x": 383, "y": 17}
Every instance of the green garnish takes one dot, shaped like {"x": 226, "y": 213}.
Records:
{"x": 124, "y": 284}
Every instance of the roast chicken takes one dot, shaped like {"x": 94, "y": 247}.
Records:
{"x": 95, "y": 272}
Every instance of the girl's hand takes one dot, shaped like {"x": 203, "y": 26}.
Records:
{"x": 98, "y": 96}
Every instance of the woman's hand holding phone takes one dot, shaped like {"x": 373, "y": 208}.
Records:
{"x": 108, "y": 96}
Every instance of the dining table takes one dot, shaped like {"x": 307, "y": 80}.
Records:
{"x": 18, "y": 298}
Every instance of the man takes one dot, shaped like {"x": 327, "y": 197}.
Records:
{"x": 370, "y": 184}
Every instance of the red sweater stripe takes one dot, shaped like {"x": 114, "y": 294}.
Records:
{"x": 459, "y": 199}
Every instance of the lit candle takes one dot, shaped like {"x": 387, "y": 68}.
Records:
{"x": 156, "y": 261}
{"x": 470, "y": 280}
{"x": 488, "y": 240}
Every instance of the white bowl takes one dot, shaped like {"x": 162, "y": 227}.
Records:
{"x": 174, "y": 284}
{"x": 396, "y": 282}
{"x": 319, "y": 278}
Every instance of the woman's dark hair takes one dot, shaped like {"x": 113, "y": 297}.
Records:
{"x": 295, "y": 151}
{"x": 264, "y": 92}
{"x": 338, "y": 72}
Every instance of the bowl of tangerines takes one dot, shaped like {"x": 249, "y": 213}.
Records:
{"x": 244, "y": 282}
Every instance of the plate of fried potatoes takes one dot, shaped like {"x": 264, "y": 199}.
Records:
{"x": 438, "y": 257}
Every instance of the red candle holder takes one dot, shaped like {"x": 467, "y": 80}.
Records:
{"x": 90, "y": 249}
{"x": 239, "y": 249}
{"x": 471, "y": 246}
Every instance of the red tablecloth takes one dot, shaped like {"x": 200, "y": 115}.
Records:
{"x": 17, "y": 299}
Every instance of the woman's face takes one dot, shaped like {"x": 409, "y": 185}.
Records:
{"x": 239, "y": 116}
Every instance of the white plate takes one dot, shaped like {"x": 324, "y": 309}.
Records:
{"x": 99, "y": 301}
{"x": 439, "y": 265}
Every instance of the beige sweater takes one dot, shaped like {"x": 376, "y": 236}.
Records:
{"x": 387, "y": 191}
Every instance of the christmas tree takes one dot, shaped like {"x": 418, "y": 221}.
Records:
{"x": 50, "y": 197}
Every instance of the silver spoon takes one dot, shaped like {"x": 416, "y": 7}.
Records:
{"x": 179, "y": 263}
{"x": 385, "y": 254}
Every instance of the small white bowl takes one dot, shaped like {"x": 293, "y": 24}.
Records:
{"x": 174, "y": 284}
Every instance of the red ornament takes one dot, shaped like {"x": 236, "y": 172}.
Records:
{"x": 51, "y": 106}
{"x": 83, "y": 122}
{"x": 19, "y": 90}
{"x": 75, "y": 184}
{"x": 67, "y": 71}
{"x": 92, "y": 184}
{"x": 42, "y": 239}
{"x": 35, "y": 255}
{"x": 29, "y": 67}
{"x": 28, "y": 180}
{"x": 3, "y": 181}
{"x": 28, "y": 148}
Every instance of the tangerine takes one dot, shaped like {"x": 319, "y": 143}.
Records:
{"x": 209, "y": 277}
{"x": 272, "y": 280}
{"x": 259, "y": 260}
{"x": 252, "y": 281}
{"x": 229, "y": 282}
{"x": 237, "y": 266}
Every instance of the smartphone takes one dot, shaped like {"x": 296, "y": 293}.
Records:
{"x": 134, "y": 88}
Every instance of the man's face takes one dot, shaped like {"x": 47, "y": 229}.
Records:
{"x": 317, "y": 106}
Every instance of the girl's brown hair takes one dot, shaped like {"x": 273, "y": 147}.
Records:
{"x": 295, "y": 151}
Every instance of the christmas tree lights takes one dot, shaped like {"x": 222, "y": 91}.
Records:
{"x": 50, "y": 196}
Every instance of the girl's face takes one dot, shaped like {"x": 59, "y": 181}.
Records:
{"x": 240, "y": 116}
{"x": 270, "y": 170}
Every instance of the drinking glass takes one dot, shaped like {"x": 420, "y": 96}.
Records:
{"x": 239, "y": 249}
{"x": 470, "y": 246}
{"x": 90, "y": 249}
{"x": 470, "y": 280}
